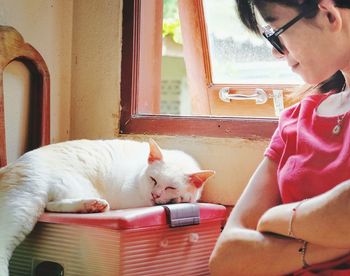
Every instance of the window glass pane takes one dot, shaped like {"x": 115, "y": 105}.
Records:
{"x": 238, "y": 56}
{"x": 174, "y": 97}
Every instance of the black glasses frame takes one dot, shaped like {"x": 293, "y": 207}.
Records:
{"x": 272, "y": 36}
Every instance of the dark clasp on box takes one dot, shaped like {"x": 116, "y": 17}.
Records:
{"x": 182, "y": 214}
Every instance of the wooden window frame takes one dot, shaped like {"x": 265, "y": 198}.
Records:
{"x": 132, "y": 122}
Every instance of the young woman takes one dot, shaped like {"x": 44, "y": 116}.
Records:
{"x": 294, "y": 215}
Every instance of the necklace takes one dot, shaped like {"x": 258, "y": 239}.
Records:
{"x": 337, "y": 128}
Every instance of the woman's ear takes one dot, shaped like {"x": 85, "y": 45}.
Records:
{"x": 332, "y": 14}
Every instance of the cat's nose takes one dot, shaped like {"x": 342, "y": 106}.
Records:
{"x": 155, "y": 195}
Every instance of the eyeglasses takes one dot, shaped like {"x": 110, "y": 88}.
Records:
{"x": 272, "y": 36}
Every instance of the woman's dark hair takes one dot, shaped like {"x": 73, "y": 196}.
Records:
{"x": 246, "y": 12}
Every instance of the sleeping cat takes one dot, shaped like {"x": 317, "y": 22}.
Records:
{"x": 91, "y": 176}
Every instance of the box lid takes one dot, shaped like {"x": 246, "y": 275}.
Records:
{"x": 133, "y": 218}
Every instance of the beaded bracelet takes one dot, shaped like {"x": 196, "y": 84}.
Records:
{"x": 294, "y": 211}
{"x": 302, "y": 251}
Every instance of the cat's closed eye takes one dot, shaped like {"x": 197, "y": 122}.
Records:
{"x": 154, "y": 181}
{"x": 170, "y": 188}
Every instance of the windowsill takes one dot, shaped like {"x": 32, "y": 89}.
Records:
{"x": 240, "y": 127}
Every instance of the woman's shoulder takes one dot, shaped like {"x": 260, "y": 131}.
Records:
{"x": 305, "y": 105}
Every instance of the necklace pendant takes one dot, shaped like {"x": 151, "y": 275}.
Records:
{"x": 336, "y": 130}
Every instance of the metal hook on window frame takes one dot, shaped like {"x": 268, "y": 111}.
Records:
{"x": 260, "y": 96}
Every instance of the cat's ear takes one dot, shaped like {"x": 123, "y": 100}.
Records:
{"x": 155, "y": 153}
{"x": 197, "y": 179}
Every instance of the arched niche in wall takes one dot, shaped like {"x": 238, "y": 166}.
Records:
{"x": 13, "y": 48}
{"x": 16, "y": 83}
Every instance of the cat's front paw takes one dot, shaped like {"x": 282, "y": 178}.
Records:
{"x": 95, "y": 205}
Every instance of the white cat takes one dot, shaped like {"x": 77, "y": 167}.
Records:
{"x": 91, "y": 176}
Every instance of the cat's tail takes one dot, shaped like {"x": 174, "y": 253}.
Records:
{"x": 22, "y": 201}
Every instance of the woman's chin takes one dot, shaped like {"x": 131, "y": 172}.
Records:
{"x": 313, "y": 80}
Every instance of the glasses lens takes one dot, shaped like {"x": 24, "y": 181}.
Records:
{"x": 276, "y": 43}
{"x": 273, "y": 39}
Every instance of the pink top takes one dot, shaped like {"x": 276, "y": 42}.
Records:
{"x": 311, "y": 160}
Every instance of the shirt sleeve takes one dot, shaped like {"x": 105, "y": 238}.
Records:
{"x": 277, "y": 144}
{"x": 275, "y": 149}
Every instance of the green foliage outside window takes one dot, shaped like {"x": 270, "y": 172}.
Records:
{"x": 171, "y": 21}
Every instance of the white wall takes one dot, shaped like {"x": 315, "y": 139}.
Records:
{"x": 96, "y": 68}
{"x": 47, "y": 26}
{"x": 16, "y": 98}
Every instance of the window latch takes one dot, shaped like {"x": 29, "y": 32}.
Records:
{"x": 260, "y": 96}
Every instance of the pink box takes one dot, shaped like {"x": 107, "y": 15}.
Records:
{"x": 138, "y": 241}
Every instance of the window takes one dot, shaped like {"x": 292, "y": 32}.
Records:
{"x": 238, "y": 56}
{"x": 152, "y": 96}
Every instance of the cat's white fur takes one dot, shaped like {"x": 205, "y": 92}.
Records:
{"x": 90, "y": 176}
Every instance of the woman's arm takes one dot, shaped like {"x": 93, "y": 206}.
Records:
{"x": 322, "y": 220}
{"x": 241, "y": 250}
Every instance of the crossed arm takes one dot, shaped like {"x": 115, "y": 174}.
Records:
{"x": 255, "y": 239}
